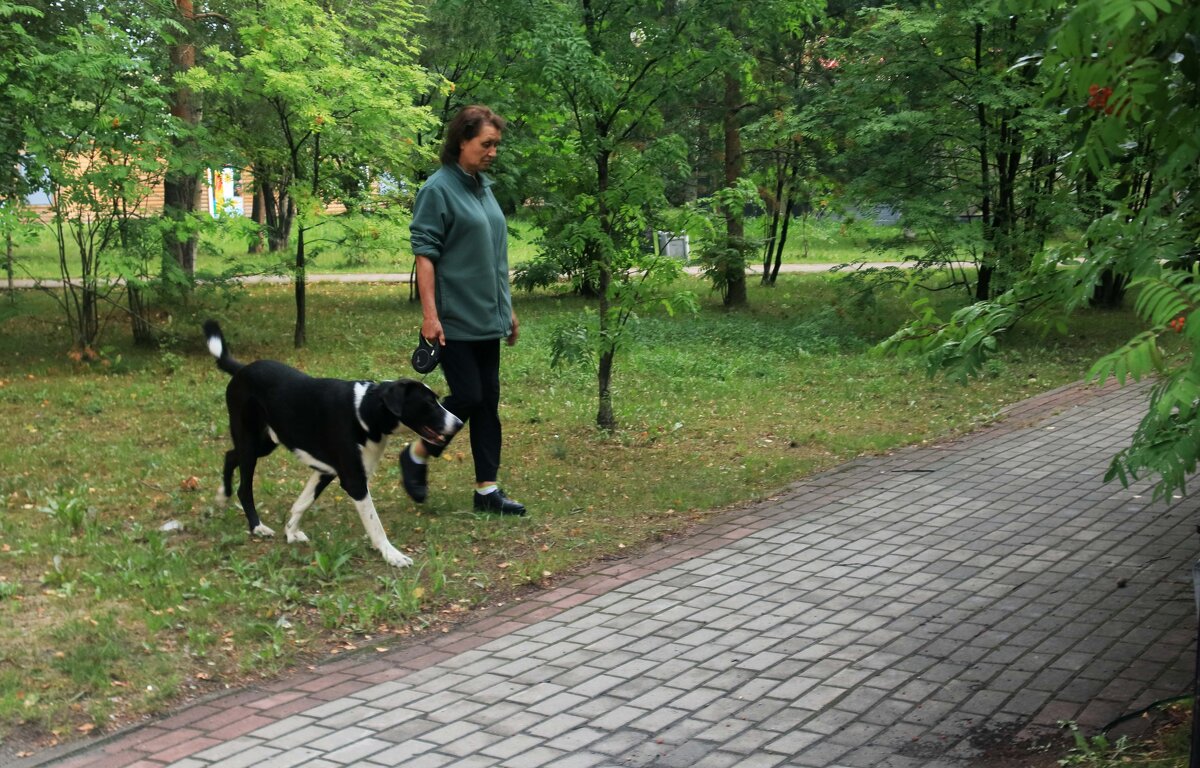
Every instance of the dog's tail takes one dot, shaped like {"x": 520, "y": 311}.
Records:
{"x": 219, "y": 349}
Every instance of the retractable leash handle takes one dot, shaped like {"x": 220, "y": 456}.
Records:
{"x": 426, "y": 356}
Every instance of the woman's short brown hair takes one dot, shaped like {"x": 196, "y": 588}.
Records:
{"x": 466, "y": 126}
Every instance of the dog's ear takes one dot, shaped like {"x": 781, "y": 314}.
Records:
{"x": 394, "y": 394}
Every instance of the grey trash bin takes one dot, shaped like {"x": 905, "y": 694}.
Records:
{"x": 673, "y": 245}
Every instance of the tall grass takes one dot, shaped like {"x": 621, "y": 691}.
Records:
{"x": 106, "y": 613}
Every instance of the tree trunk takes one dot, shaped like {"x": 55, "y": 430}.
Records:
{"x": 8, "y": 262}
{"x": 181, "y": 186}
{"x": 605, "y": 418}
{"x": 987, "y": 261}
{"x": 259, "y": 216}
{"x": 279, "y": 211}
{"x": 300, "y": 337}
{"x": 131, "y": 234}
{"x": 143, "y": 331}
{"x": 1109, "y": 293}
{"x": 89, "y": 316}
{"x": 789, "y": 189}
{"x": 735, "y": 225}
{"x": 773, "y": 232}
{"x": 301, "y": 268}
{"x": 1011, "y": 252}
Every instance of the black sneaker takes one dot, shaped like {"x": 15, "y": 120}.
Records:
{"x": 498, "y": 503}
{"x": 414, "y": 475}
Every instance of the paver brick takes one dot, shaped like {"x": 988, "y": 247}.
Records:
{"x": 305, "y": 756}
{"x": 240, "y": 755}
{"x": 534, "y": 758}
{"x": 548, "y": 728}
{"x": 511, "y": 746}
{"x": 619, "y": 716}
{"x": 357, "y": 751}
{"x": 402, "y": 753}
{"x": 578, "y": 760}
{"x": 429, "y": 760}
{"x": 456, "y": 711}
{"x": 448, "y": 734}
{"x": 469, "y": 744}
{"x": 409, "y": 729}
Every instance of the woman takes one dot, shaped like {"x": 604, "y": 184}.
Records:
{"x": 460, "y": 241}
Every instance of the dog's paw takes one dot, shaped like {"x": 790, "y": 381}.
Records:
{"x": 263, "y": 530}
{"x": 396, "y": 558}
{"x": 296, "y": 536}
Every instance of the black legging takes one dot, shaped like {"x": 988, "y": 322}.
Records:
{"x": 472, "y": 371}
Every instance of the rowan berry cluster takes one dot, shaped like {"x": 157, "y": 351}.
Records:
{"x": 1177, "y": 324}
{"x": 1098, "y": 98}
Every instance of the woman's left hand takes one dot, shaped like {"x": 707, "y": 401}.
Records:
{"x": 512, "y": 336}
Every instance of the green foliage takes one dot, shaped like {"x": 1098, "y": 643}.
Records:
{"x": 960, "y": 346}
{"x": 94, "y": 142}
{"x": 1097, "y": 751}
{"x": 17, "y": 94}
{"x": 70, "y": 508}
{"x": 934, "y": 120}
{"x": 1166, "y": 301}
{"x": 1133, "y": 90}
{"x": 1167, "y": 441}
{"x": 1146, "y": 58}
{"x": 572, "y": 341}
{"x": 606, "y": 158}
{"x": 718, "y": 256}
{"x": 331, "y": 559}
{"x": 652, "y": 283}
{"x": 319, "y": 100}
{"x": 1123, "y": 77}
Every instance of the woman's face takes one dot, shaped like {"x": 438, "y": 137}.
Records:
{"x": 477, "y": 154}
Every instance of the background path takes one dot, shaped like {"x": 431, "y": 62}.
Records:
{"x": 397, "y": 277}
{"x": 900, "y": 611}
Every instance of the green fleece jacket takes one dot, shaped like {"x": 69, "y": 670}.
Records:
{"x": 458, "y": 225}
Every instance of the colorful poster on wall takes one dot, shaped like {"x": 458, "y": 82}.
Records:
{"x": 224, "y": 193}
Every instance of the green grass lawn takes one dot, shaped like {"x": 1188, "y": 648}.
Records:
{"x": 103, "y": 615}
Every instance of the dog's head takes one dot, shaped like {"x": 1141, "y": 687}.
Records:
{"x": 417, "y": 407}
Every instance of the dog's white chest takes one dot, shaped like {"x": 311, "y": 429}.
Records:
{"x": 372, "y": 452}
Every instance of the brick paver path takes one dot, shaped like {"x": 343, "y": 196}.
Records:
{"x": 900, "y": 611}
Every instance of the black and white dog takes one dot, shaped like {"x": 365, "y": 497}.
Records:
{"x": 338, "y": 428}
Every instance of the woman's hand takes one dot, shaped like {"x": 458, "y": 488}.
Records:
{"x": 431, "y": 329}
{"x": 512, "y": 337}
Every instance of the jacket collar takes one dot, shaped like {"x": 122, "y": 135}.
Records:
{"x": 477, "y": 184}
